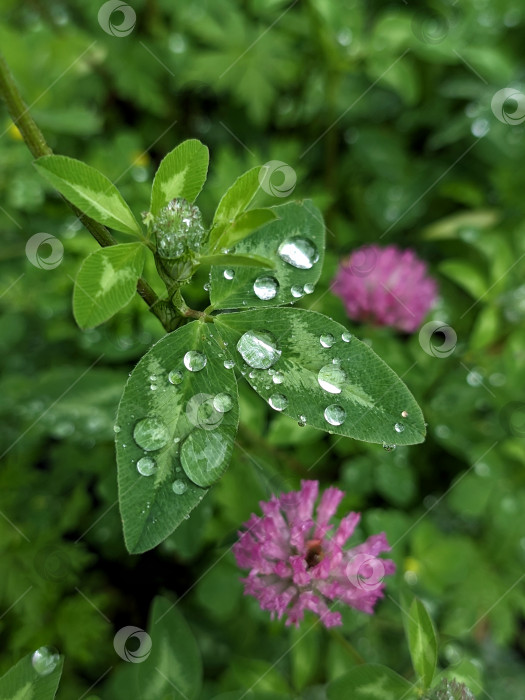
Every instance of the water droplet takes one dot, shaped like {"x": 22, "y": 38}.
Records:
{"x": 278, "y": 378}
{"x": 206, "y": 287}
{"x": 153, "y": 387}
{"x": 194, "y": 360}
{"x": 229, "y": 274}
{"x": 223, "y": 403}
{"x": 179, "y": 487}
{"x": 327, "y": 340}
{"x": 175, "y": 377}
{"x": 302, "y": 421}
{"x": 146, "y": 466}
{"x": 266, "y": 288}
{"x": 297, "y": 291}
{"x": 299, "y": 252}
{"x": 335, "y": 414}
{"x": 388, "y": 447}
{"x": 45, "y": 660}
{"x": 309, "y": 288}
{"x": 399, "y": 427}
{"x": 259, "y": 349}
{"x": 116, "y": 428}
{"x": 331, "y": 378}
{"x": 404, "y": 414}
{"x": 176, "y": 440}
{"x": 229, "y": 364}
{"x": 346, "y": 337}
{"x": 278, "y": 402}
{"x": 150, "y": 434}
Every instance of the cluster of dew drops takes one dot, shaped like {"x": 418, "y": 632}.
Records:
{"x": 298, "y": 252}
{"x": 151, "y": 434}
{"x": 259, "y": 350}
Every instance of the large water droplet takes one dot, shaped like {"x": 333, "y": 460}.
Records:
{"x": 45, "y": 660}
{"x": 223, "y": 403}
{"x": 299, "y": 252}
{"x": 266, "y": 288}
{"x": 309, "y": 288}
{"x": 297, "y": 291}
{"x": 175, "y": 376}
{"x": 229, "y": 274}
{"x": 334, "y": 414}
{"x": 327, "y": 340}
{"x": 399, "y": 427}
{"x": 194, "y": 360}
{"x": 179, "y": 487}
{"x": 150, "y": 434}
{"x": 346, "y": 337}
{"x": 278, "y": 402}
{"x": 278, "y": 378}
{"x": 146, "y": 466}
{"x": 331, "y": 378}
{"x": 259, "y": 349}
{"x": 203, "y": 454}
{"x": 229, "y": 364}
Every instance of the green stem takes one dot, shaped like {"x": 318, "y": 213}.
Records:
{"x": 346, "y": 646}
{"x": 35, "y": 141}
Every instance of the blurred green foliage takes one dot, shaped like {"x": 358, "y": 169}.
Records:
{"x": 384, "y": 112}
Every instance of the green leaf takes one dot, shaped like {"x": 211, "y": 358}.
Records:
{"x": 227, "y": 235}
{"x": 238, "y": 197}
{"x": 422, "y": 642}
{"x": 370, "y": 682}
{"x": 301, "y": 221}
{"x": 467, "y": 275}
{"x": 372, "y": 396}
{"x": 173, "y": 669}
{"x": 22, "y": 682}
{"x": 179, "y": 409}
{"x": 106, "y": 282}
{"x": 90, "y": 191}
{"x": 231, "y": 260}
{"x": 182, "y": 173}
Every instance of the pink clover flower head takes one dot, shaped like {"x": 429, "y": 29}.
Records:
{"x": 297, "y": 559}
{"x": 386, "y": 286}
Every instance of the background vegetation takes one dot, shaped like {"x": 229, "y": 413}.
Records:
{"x": 384, "y": 112}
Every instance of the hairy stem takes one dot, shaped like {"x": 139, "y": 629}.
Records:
{"x": 35, "y": 141}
